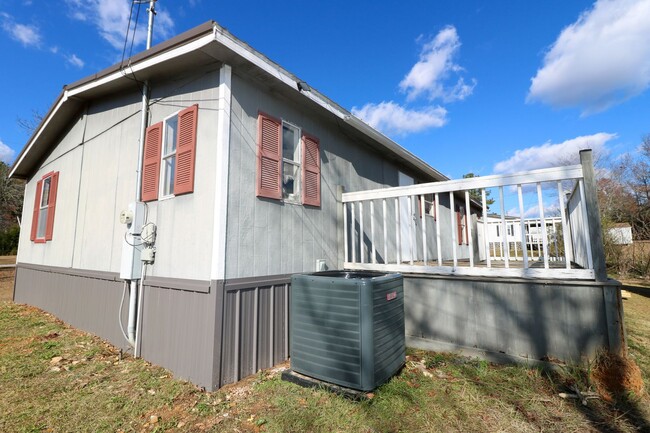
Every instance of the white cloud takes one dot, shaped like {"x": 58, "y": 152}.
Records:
{"x": 600, "y": 60}
{"x": 111, "y": 19}
{"x": 75, "y": 61}
{"x": 6, "y": 153}
{"x": 431, "y": 74}
{"x": 23, "y": 33}
{"x": 392, "y": 117}
{"x": 550, "y": 154}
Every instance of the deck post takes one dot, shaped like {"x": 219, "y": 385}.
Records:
{"x": 593, "y": 215}
{"x": 341, "y": 225}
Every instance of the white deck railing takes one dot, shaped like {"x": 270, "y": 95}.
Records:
{"x": 438, "y": 228}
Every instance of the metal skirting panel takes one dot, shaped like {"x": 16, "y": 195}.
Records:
{"x": 566, "y": 320}
{"x": 84, "y": 299}
{"x": 178, "y": 322}
{"x": 178, "y": 329}
{"x": 255, "y": 328}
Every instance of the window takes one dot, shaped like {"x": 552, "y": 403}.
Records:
{"x": 511, "y": 230}
{"x": 44, "y": 207}
{"x": 169, "y": 155}
{"x": 170, "y": 131}
{"x": 288, "y": 162}
{"x": 429, "y": 205}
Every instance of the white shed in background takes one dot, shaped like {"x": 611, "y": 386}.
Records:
{"x": 621, "y": 233}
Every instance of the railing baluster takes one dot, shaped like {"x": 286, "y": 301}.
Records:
{"x": 423, "y": 220}
{"x": 438, "y": 241}
{"x": 567, "y": 247}
{"x": 468, "y": 224}
{"x": 383, "y": 204}
{"x": 353, "y": 219}
{"x": 543, "y": 223}
{"x": 411, "y": 229}
{"x": 454, "y": 228}
{"x": 583, "y": 206}
{"x": 504, "y": 238}
{"x": 398, "y": 229}
{"x": 362, "y": 243}
{"x": 345, "y": 232}
{"x": 372, "y": 231}
{"x": 522, "y": 225}
{"x": 486, "y": 232}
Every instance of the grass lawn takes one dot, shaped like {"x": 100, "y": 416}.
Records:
{"x": 7, "y": 260}
{"x": 57, "y": 379}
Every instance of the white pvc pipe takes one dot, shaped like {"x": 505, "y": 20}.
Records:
{"x": 133, "y": 297}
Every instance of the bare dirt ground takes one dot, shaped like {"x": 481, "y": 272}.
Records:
{"x": 6, "y": 284}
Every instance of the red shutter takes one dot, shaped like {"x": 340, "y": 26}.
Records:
{"x": 37, "y": 206}
{"x": 269, "y": 157}
{"x": 151, "y": 162}
{"x": 459, "y": 226}
{"x": 310, "y": 170}
{"x": 186, "y": 150}
{"x": 49, "y": 228}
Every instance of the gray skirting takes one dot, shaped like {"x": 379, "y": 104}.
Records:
{"x": 209, "y": 332}
{"x": 215, "y": 333}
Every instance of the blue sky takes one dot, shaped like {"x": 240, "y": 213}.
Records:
{"x": 474, "y": 86}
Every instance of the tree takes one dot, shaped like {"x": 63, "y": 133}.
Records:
{"x": 11, "y": 198}
{"x": 475, "y": 194}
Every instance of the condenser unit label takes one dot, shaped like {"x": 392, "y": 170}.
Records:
{"x": 390, "y": 296}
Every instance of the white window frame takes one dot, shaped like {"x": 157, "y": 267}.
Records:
{"x": 163, "y": 157}
{"x": 296, "y": 197}
{"x": 42, "y": 216}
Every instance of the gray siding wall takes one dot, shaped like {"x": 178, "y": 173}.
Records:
{"x": 97, "y": 160}
{"x": 268, "y": 237}
{"x": 513, "y": 318}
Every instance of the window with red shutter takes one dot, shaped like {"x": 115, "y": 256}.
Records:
{"x": 269, "y": 157}
{"x": 44, "y": 208}
{"x": 311, "y": 170}
{"x": 170, "y": 155}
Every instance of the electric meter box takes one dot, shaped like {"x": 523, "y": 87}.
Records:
{"x": 131, "y": 266}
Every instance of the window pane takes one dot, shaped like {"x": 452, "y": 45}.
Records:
{"x": 45, "y": 195}
{"x": 290, "y": 181}
{"x": 42, "y": 223}
{"x": 290, "y": 143}
{"x": 169, "y": 167}
{"x": 171, "y": 126}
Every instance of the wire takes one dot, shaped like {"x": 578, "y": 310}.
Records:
{"x": 133, "y": 245}
{"x": 119, "y": 312}
{"x": 126, "y": 36}
{"x": 135, "y": 27}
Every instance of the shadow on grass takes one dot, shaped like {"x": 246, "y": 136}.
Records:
{"x": 638, "y": 290}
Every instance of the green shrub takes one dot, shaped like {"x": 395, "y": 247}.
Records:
{"x": 9, "y": 241}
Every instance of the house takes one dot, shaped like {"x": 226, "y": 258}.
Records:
{"x": 173, "y": 230}
{"x": 242, "y": 164}
{"x": 620, "y": 233}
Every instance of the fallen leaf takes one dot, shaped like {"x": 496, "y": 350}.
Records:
{"x": 56, "y": 360}
{"x": 153, "y": 419}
